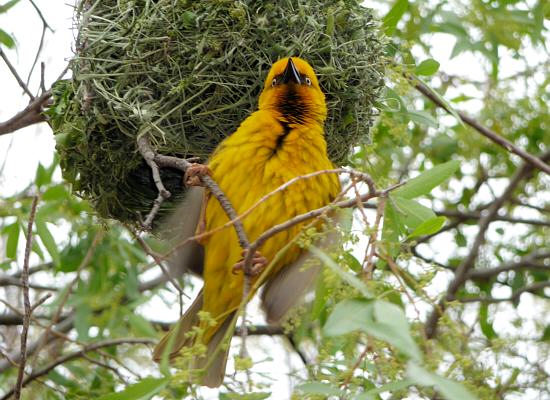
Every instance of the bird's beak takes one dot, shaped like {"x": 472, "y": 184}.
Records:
{"x": 291, "y": 74}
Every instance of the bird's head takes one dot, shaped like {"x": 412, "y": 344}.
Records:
{"x": 291, "y": 90}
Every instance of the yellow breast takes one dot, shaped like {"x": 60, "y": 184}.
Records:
{"x": 258, "y": 158}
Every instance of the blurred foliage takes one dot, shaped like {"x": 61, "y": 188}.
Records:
{"x": 362, "y": 339}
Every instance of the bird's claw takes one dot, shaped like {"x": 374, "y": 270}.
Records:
{"x": 193, "y": 174}
{"x": 259, "y": 263}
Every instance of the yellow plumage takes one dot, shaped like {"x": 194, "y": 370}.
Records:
{"x": 282, "y": 140}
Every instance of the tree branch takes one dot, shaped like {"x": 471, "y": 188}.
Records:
{"x": 26, "y": 302}
{"x": 77, "y": 354}
{"x": 15, "y": 74}
{"x": 30, "y": 115}
{"x": 492, "y": 135}
{"x": 462, "y": 271}
{"x": 514, "y": 297}
{"x": 528, "y": 262}
{"x": 65, "y": 325}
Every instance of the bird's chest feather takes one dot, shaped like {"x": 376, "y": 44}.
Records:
{"x": 250, "y": 166}
{"x": 249, "y": 169}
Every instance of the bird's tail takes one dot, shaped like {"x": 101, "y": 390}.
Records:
{"x": 214, "y": 361}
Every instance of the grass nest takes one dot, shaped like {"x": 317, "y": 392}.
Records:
{"x": 187, "y": 73}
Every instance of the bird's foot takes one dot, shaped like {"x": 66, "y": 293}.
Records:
{"x": 193, "y": 174}
{"x": 259, "y": 263}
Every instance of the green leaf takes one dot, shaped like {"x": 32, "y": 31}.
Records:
{"x": 82, "y": 320}
{"x": 427, "y": 67}
{"x": 422, "y": 117}
{"x": 57, "y": 192}
{"x": 246, "y": 396}
{"x": 425, "y": 182}
{"x": 389, "y": 22}
{"x": 12, "y": 231}
{"x": 5, "y": 7}
{"x": 47, "y": 239}
{"x": 413, "y": 214}
{"x": 379, "y": 318}
{"x": 392, "y": 102}
{"x": 450, "y": 390}
{"x": 485, "y": 324}
{"x": 393, "y": 227}
{"x": 348, "y": 316}
{"x": 61, "y": 380}
{"x": 43, "y": 176}
{"x": 349, "y": 278}
{"x": 143, "y": 390}
{"x": 447, "y": 105}
{"x": 392, "y": 326}
{"x": 6, "y": 39}
{"x": 388, "y": 387}
{"x": 428, "y": 227}
{"x": 141, "y": 326}
{"x": 319, "y": 388}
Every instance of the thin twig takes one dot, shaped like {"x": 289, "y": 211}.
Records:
{"x": 68, "y": 290}
{"x": 42, "y": 77}
{"x": 535, "y": 287}
{"x": 15, "y": 74}
{"x": 488, "y": 133}
{"x": 39, "y": 12}
{"x": 26, "y": 302}
{"x": 158, "y": 260}
{"x": 462, "y": 271}
{"x": 372, "y": 244}
{"x": 355, "y": 366}
{"x": 74, "y": 355}
{"x": 66, "y": 324}
{"x": 30, "y": 115}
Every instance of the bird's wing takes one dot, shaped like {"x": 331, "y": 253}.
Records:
{"x": 181, "y": 225}
{"x": 291, "y": 283}
{"x": 217, "y": 352}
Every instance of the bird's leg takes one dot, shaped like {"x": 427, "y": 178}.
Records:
{"x": 259, "y": 262}
{"x": 193, "y": 174}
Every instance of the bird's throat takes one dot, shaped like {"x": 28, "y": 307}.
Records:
{"x": 293, "y": 107}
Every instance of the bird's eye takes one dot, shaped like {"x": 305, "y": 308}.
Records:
{"x": 308, "y": 81}
{"x": 273, "y": 82}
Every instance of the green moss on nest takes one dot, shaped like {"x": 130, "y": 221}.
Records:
{"x": 187, "y": 73}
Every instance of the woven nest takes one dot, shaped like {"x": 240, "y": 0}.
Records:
{"x": 187, "y": 73}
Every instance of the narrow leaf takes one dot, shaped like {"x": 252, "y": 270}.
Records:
{"x": 393, "y": 327}
{"x": 5, "y": 7}
{"x": 319, "y": 388}
{"x": 143, "y": 390}
{"x": 6, "y": 39}
{"x": 425, "y": 182}
{"x": 428, "y": 227}
{"x": 447, "y": 105}
{"x": 450, "y": 390}
{"x": 12, "y": 231}
{"x": 413, "y": 214}
{"x": 141, "y": 326}
{"x": 348, "y": 316}
{"x": 423, "y": 118}
{"x": 349, "y": 278}
{"x": 389, "y": 22}
{"x": 427, "y": 67}
{"x": 388, "y": 387}
{"x": 47, "y": 239}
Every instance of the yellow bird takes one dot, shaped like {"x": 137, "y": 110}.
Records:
{"x": 282, "y": 140}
